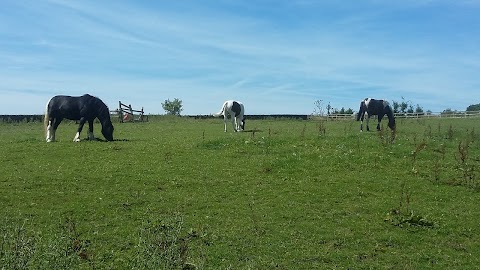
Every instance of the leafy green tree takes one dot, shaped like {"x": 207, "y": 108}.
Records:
{"x": 343, "y": 111}
{"x": 403, "y": 105}
{"x": 406, "y": 107}
{"x": 419, "y": 109}
{"x": 400, "y": 107}
{"x": 173, "y": 107}
{"x": 473, "y": 108}
{"x": 447, "y": 111}
{"x": 410, "y": 109}
{"x": 396, "y": 106}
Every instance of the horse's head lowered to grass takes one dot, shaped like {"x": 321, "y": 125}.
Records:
{"x": 236, "y": 111}
{"x": 84, "y": 108}
{"x": 377, "y": 107}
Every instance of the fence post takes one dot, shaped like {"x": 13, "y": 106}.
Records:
{"x": 126, "y": 111}
{"x": 120, "y": 112}
{"x": 131, "y": 112}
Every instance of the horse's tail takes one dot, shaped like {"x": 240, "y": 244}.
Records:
{"x": 46, "y": 118}
{"x": 222, "y": 111}
{"x": 362, "y": 110}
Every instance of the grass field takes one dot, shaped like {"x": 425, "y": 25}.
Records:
{"x": 179, "y": 193}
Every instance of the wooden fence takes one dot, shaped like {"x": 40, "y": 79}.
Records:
{"x": 125, "y": 113}
{"x": 139, "y": 115}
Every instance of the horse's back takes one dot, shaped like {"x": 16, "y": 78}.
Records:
{"x": 69, "y": 107}
{"x": 376, "y": 106}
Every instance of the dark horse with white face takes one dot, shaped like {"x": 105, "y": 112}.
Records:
{"x": 377, "y": 107}
{"x": 84, "y": 108}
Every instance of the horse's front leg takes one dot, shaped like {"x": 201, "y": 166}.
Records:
{"x": 90, "y": 130}
{"x": 361, "y": 122}
{"x": 235, "y": 123}
{"x": 379, "y": 121}
{"x": 79, "y": 130}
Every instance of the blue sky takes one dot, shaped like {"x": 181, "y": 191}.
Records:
{"x": 276, "y": 56}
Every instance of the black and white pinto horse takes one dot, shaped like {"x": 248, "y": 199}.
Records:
{"x": 84, "y": 108}
{"x": 377, "y": 107}
{"x": 234, "y": 110}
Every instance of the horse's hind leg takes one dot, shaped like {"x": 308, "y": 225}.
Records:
{"x": 79, "y": 130}
{"x": 361, "y": 122}
{"x": 90, "y": 130}
{"x": 225, "y": 119}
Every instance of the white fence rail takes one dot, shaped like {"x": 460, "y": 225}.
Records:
{"x": 453, "y": 114}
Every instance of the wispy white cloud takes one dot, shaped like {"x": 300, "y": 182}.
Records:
{"x": 282, "y": 52}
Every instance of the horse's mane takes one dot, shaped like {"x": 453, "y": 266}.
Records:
{"x": 103, "y": 111}
{"x": 391, "y": 116}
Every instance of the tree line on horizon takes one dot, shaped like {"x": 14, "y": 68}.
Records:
{"x": 175, "y": 107}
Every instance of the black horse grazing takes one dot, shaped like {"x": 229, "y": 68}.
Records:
{"x": 84, "y": 108}
{"x": 377, "y": 107}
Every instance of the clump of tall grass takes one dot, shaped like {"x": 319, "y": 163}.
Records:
{"x": 163, "y": 244}
{"x": 450, "y": 133}
{"x": 23, "y": 247}
{"x": 466, "y": 166}
{"x": 387, "y": 137}
{"x": 421, "y": 146}
{"x": 437, "y": 166}
{"x": 403, "y": 214}
{"x": 17, "y": 245}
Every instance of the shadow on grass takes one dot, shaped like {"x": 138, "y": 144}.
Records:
{"x": 103, "y": 140}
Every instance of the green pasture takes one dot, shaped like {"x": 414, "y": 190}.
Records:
{"x": 179, "y": 193}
